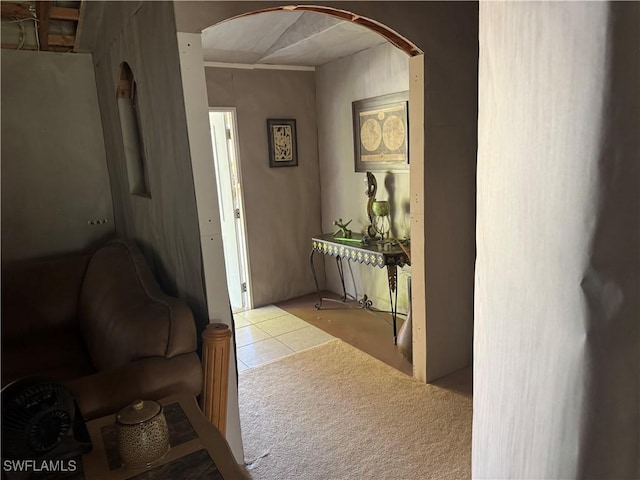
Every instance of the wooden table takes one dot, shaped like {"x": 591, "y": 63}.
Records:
{"x": 378, "y": 253}
{"x": 198, "y": 449}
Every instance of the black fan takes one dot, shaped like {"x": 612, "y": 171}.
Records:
{"x": 40, "y": 419}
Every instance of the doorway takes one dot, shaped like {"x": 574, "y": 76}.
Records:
{"x": 238, "y": 46}
{"x": 440, "y": 174}
{"x": 224, "y": 141}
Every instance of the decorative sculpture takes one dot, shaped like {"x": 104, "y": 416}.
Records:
{"x": 342, "y": 228}
{"x": 372, "y": 187}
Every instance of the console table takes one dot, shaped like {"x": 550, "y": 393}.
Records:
{"x": 374, "y": 253}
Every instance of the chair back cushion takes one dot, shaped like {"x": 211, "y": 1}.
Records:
{"x": 124, "y": 315}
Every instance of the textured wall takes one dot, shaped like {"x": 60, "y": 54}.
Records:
{"x": 557, "y": 351}
{"x": 54, "y": 173}
{"x": 168, "y": 225}
{"x": 165, "y": 225}
{"x": 377, "y": 71}
{"x": 282, "y": 204}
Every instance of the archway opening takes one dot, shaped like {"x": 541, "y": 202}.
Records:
{"x": 390, "y": 35}
{"x": 414, "y": 86}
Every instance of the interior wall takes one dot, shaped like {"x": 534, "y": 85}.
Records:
{"x": 165, "y": 225}
{"x": 447, "y": 33}
{"x": 175, "y": 236}
{"x": 376, "y": 71}
{"x": 282, "y": 205}
{"x": 56, "y": 196}
{"x": 557, "y": 336}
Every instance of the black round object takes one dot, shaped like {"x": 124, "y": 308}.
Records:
{"x": 36, "y": 415}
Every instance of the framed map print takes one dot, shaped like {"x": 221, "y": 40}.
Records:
{"x": 381, "y": 133}
{"x": 283, "y": 149}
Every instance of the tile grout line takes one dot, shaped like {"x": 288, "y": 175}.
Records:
{"x": 274, "y": 337}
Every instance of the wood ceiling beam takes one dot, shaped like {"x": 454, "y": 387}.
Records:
{"x": 15, "y": 10}
{"x": 42, "y": 12}
{"x": 64, "y": 13}
{"x": 80, "y": 24}
{"x": 45, "y": 11}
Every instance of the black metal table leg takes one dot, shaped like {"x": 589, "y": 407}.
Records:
{"x": 376, "y": 253}
{"x": 315, "y": 279}
{"x": 341, "y": 273}
{"x": 353, "y": 280}
{"x": 392, "y": 273}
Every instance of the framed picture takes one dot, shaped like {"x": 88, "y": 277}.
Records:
{"x": 283, "y": 148}
{"x": 381, "y": 133}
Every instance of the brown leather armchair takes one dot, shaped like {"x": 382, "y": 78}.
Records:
{"x": 99, "y": 323}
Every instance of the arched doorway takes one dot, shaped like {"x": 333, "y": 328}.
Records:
{"x": 416, "y": 114}
{"x": 392, "y": 36}
{"x": 336, "y": 63}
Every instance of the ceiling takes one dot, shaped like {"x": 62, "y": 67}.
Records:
{"x": 294, "y": 38}
{"x": 286, "y": 38}
{"x": 44, "y": 25}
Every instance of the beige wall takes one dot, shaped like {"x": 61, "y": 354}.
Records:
{"x": 377, "y": 71}
{"x": 282, "y": 204}
{"x": 557, "y": 339}
{"x": 54, "y": 174}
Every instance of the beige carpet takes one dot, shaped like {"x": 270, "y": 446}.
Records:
{"x": 333, "y": 412}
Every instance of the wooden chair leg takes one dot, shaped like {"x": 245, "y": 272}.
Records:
{"x": 216, "y": 344}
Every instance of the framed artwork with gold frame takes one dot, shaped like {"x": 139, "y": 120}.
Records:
{"x": 381, "y": 133}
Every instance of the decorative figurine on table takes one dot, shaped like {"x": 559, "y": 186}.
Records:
{"x": 342, "y": 229}
{"x": 372, "y": 187}
{"x": 381, "y": 218}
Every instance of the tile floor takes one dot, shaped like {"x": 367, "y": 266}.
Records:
{"x": 268, "y": 333}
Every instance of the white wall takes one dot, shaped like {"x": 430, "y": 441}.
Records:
{"x": 557, "y": 340}
{"x": 211, "y": 244}
{"x": 377, "y": 71}
{"x": 282, "y": 204}
{"x": 54, "y": 173}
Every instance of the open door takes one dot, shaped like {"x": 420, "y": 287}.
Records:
{"x": 230, "y": 202}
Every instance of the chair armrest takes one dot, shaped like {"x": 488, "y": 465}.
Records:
{"x": 150, "y": 378}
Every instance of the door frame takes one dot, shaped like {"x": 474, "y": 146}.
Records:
{"x": 242, "y": 224}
